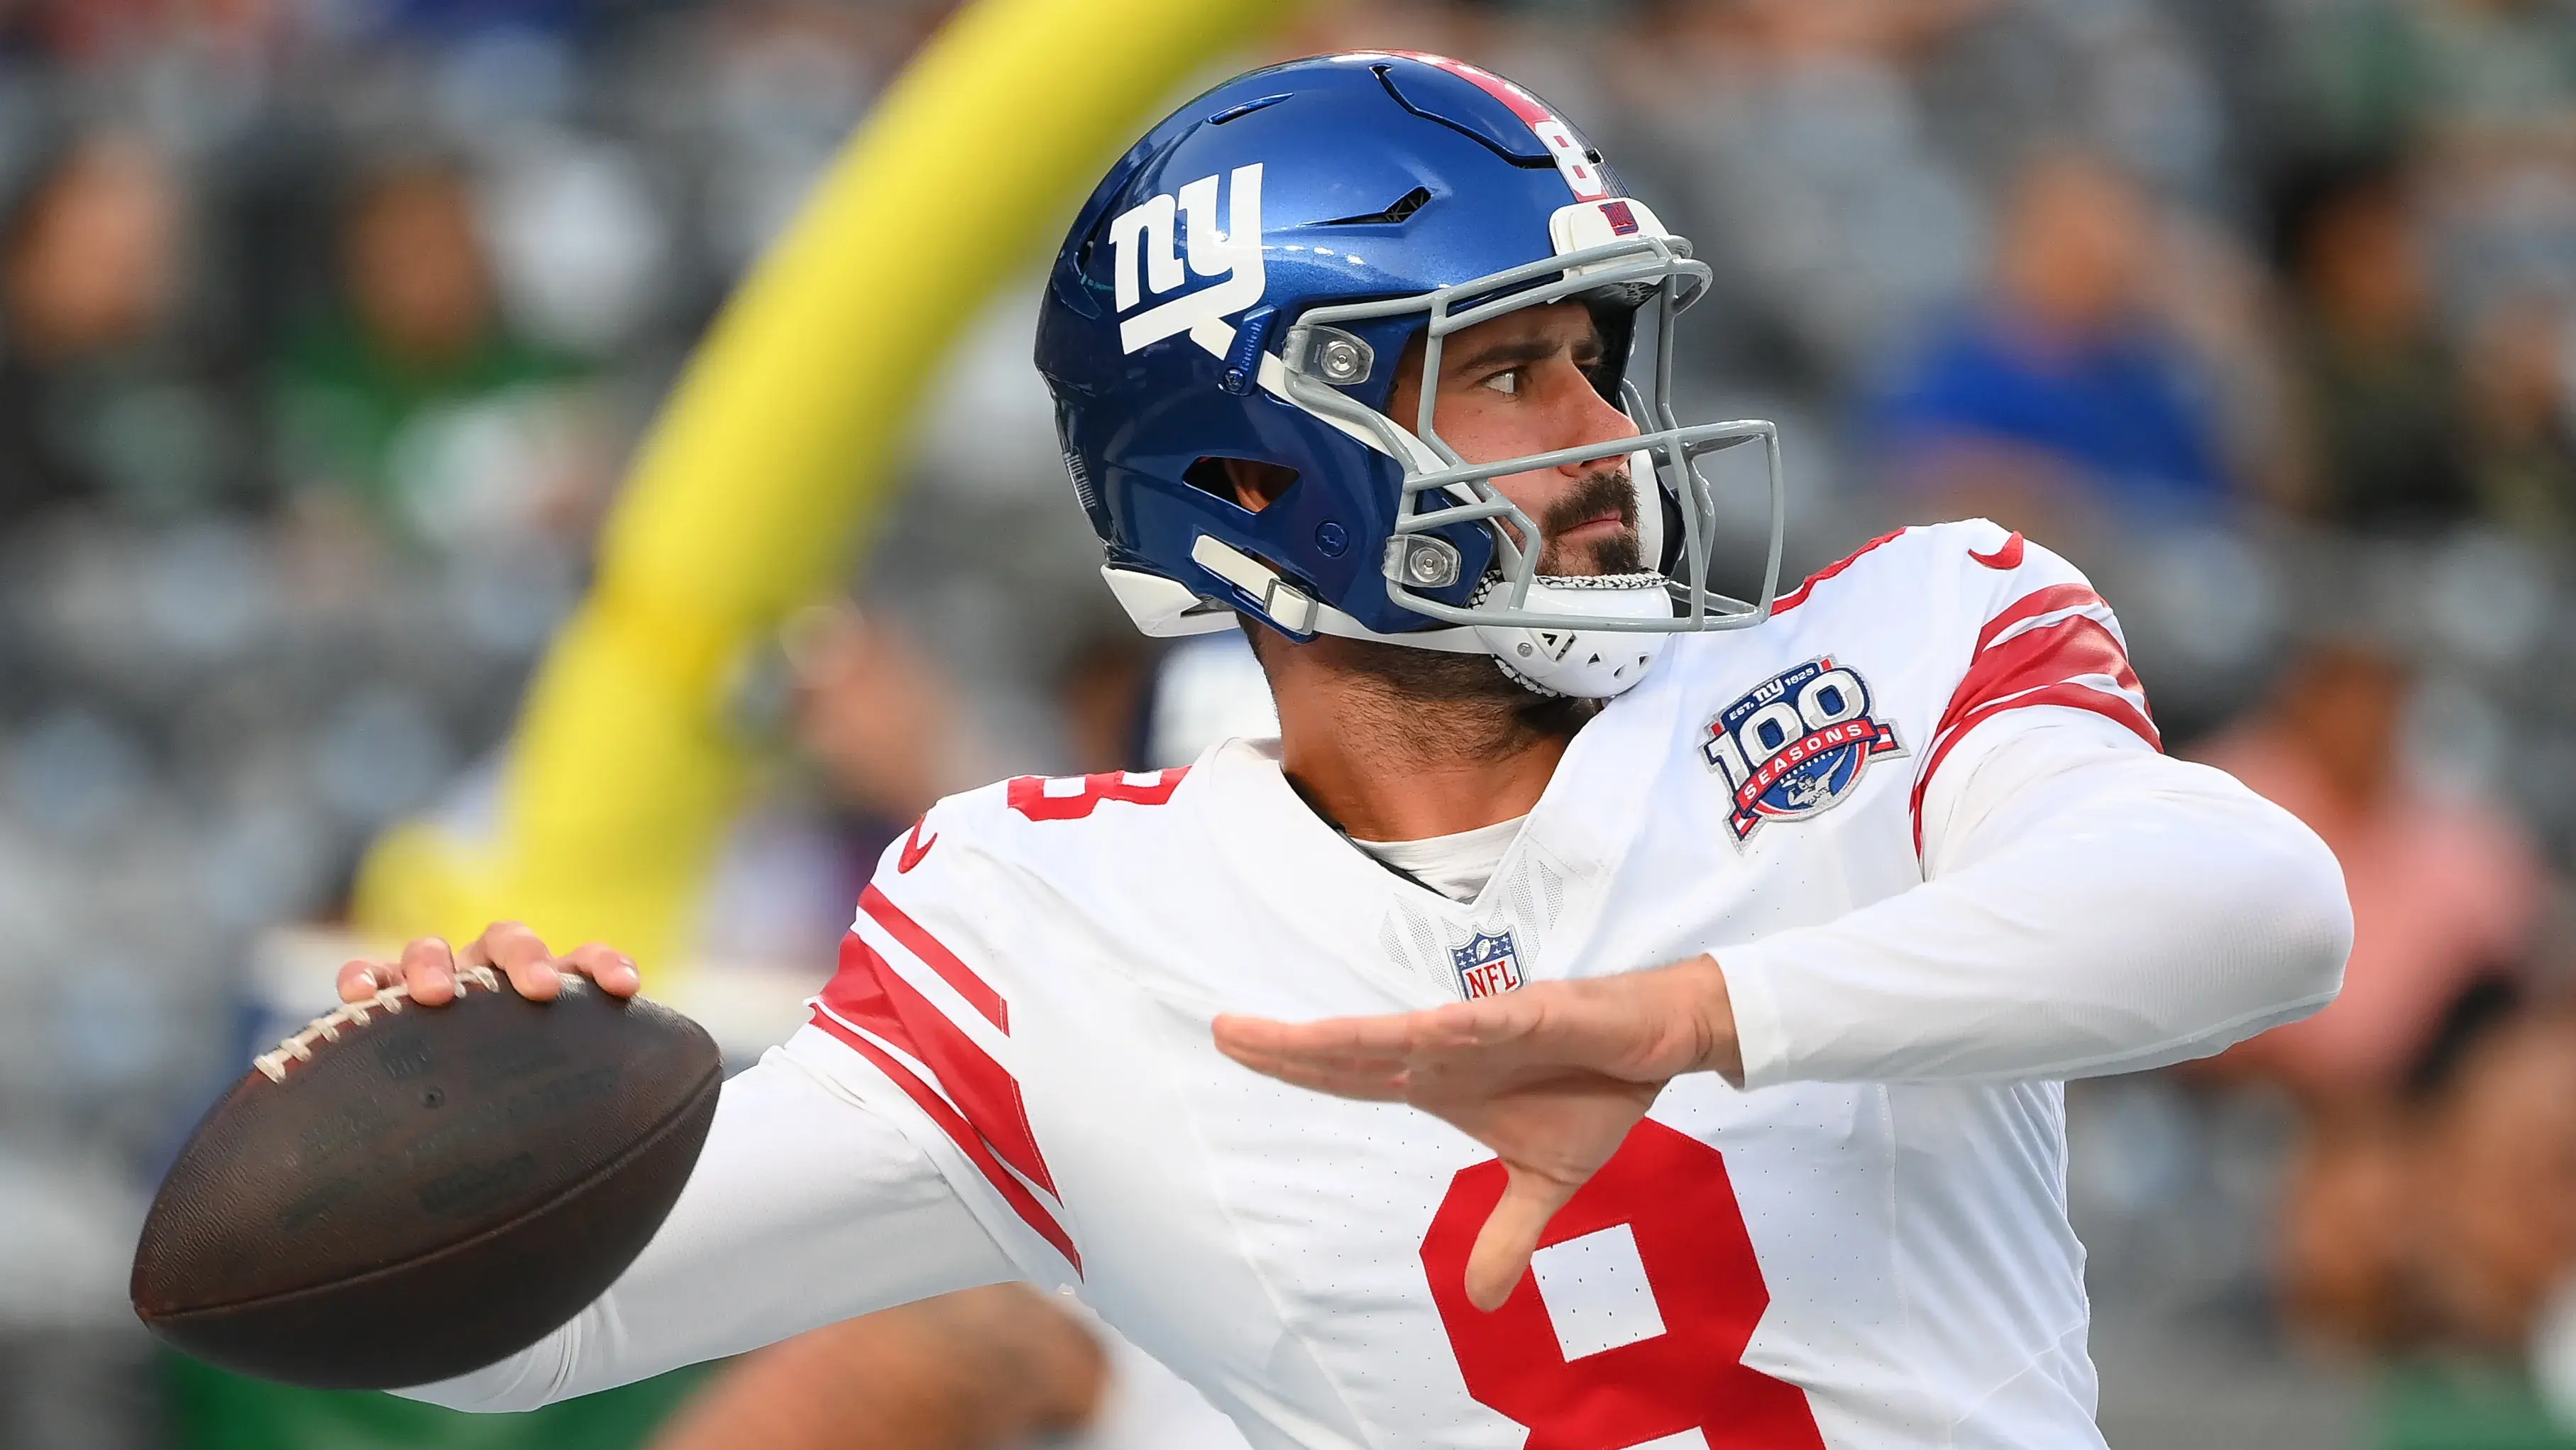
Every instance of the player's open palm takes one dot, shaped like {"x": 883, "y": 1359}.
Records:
{"x": 1551, "y": 1077}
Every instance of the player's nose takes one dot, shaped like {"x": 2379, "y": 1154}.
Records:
{"x": 1590, "y": 418}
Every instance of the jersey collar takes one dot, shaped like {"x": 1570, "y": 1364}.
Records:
{"x": 1583, "y": 826}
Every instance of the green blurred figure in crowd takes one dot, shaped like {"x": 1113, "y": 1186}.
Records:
{"x": 411, "y": 402}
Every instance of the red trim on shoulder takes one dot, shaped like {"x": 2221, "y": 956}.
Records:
{"x": 2007, "y": 555}
{"x": 963, "y": 1134}
{"x": 2036, "y": 603}
{"x": 1798, "y": 596}
{"x": 978, "y": 992}
{"x": 867, "y": 991}
{"x": 2046, "y": 665}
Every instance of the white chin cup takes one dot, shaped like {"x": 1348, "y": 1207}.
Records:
{"x": 1590, "y": 664}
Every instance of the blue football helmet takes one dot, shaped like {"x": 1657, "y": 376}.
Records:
{"x": 1242, "y": 285}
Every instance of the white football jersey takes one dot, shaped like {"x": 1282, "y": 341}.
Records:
{"x": 1028, "y": 989}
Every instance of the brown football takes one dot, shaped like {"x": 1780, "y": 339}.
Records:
{"x": 400, "y": 1193}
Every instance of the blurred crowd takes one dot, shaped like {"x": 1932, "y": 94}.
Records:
{"x": 326, "y": 327}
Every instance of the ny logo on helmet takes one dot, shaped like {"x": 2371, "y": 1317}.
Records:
{"x": 1143, "y": 239}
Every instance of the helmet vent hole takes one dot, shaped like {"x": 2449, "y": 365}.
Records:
{"x": 1268, "y": 480}
{"x": 1237, "y": 113}
{"x": 1396, "y": 211}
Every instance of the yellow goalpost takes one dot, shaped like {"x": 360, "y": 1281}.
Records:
{"x": 774, "y": 458}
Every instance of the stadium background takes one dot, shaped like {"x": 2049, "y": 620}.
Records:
{"x": 329, "y": 329}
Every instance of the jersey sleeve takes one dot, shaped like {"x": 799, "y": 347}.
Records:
{"x": 2044, "y": 643}
{"x": 2087, "y": 905}
{"x": 917, "y": 1023}
{"x": 2099, "y": 908}
{"x": 804, "y": 1209}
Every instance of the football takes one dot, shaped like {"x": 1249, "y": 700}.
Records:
{"x": 399, "y": 1194}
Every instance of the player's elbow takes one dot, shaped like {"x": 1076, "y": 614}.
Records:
{"x": 2284, "y": 909}
{"x": 2323, "y": 916}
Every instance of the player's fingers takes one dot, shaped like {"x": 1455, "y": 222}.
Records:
{"x": 1248, "y": 1039}
{"x": 429, "y": 969}
{"x": 1391, "y": 1036}
{"x": 1237, "y": 1036}
{"x": 1543, "y": 1027}
{"x": 613, "y": 970}
{"x": 1464, "y": 1046}
{"x": 1464, "y": 1030}
{"x": 362, "y": 978}
{"x": 1303, "y": 1068}
{"x": 1278, "y": 1048}
{"x": 522, "y": 956}
{"x": 1510, "y": 1235}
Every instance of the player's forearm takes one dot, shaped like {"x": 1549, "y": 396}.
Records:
{"x": 2135, "y": 912}
{"x": 986, "y": 1367}
{"x": 804, "y": 1210}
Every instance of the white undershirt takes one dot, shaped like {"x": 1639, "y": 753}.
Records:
{"x": 1457, "y": 866}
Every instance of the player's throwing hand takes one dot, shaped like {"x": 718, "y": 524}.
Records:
{"x": 429, "y": 966}
{"x": 1551, "y": 1077}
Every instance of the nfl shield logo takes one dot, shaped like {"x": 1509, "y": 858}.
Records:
{"x": 1488, "y": 964}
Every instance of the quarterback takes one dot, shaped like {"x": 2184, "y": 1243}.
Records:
{"x": 1612, "y": 1013}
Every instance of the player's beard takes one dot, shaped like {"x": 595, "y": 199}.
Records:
{"x": 1600, "y": 492}
{"x": 1428, "y": 706}
{"x": 1431, "y": 704}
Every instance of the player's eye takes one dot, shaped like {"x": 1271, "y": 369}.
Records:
{"x": 1506, "y": 382}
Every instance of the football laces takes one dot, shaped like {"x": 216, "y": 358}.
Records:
{"x": 298, "y": 1047}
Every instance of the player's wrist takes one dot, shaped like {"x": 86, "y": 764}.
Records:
{"x": 1711, "y": 1013}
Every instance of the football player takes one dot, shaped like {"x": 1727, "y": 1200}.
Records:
{"x": 1738, "y": 948}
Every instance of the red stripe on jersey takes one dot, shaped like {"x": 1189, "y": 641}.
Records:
{"x": 2051, "y": 600}
{"x": 2045, "y": 665}
{"x": 938, "y": 958}
{"x": 963, "y": 1134}
{"x": 2066, "y": 649}
{"x": 867, "y": 991}
{"x": 1798, "y": 596}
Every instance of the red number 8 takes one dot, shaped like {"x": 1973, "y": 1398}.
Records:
{"x": 1032, "y": 796}
{"x": 1672, "y": 1193}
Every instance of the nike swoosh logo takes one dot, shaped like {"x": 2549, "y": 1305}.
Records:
{"x": 2007, "y": 555}
{"x": 914, "y": 848}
